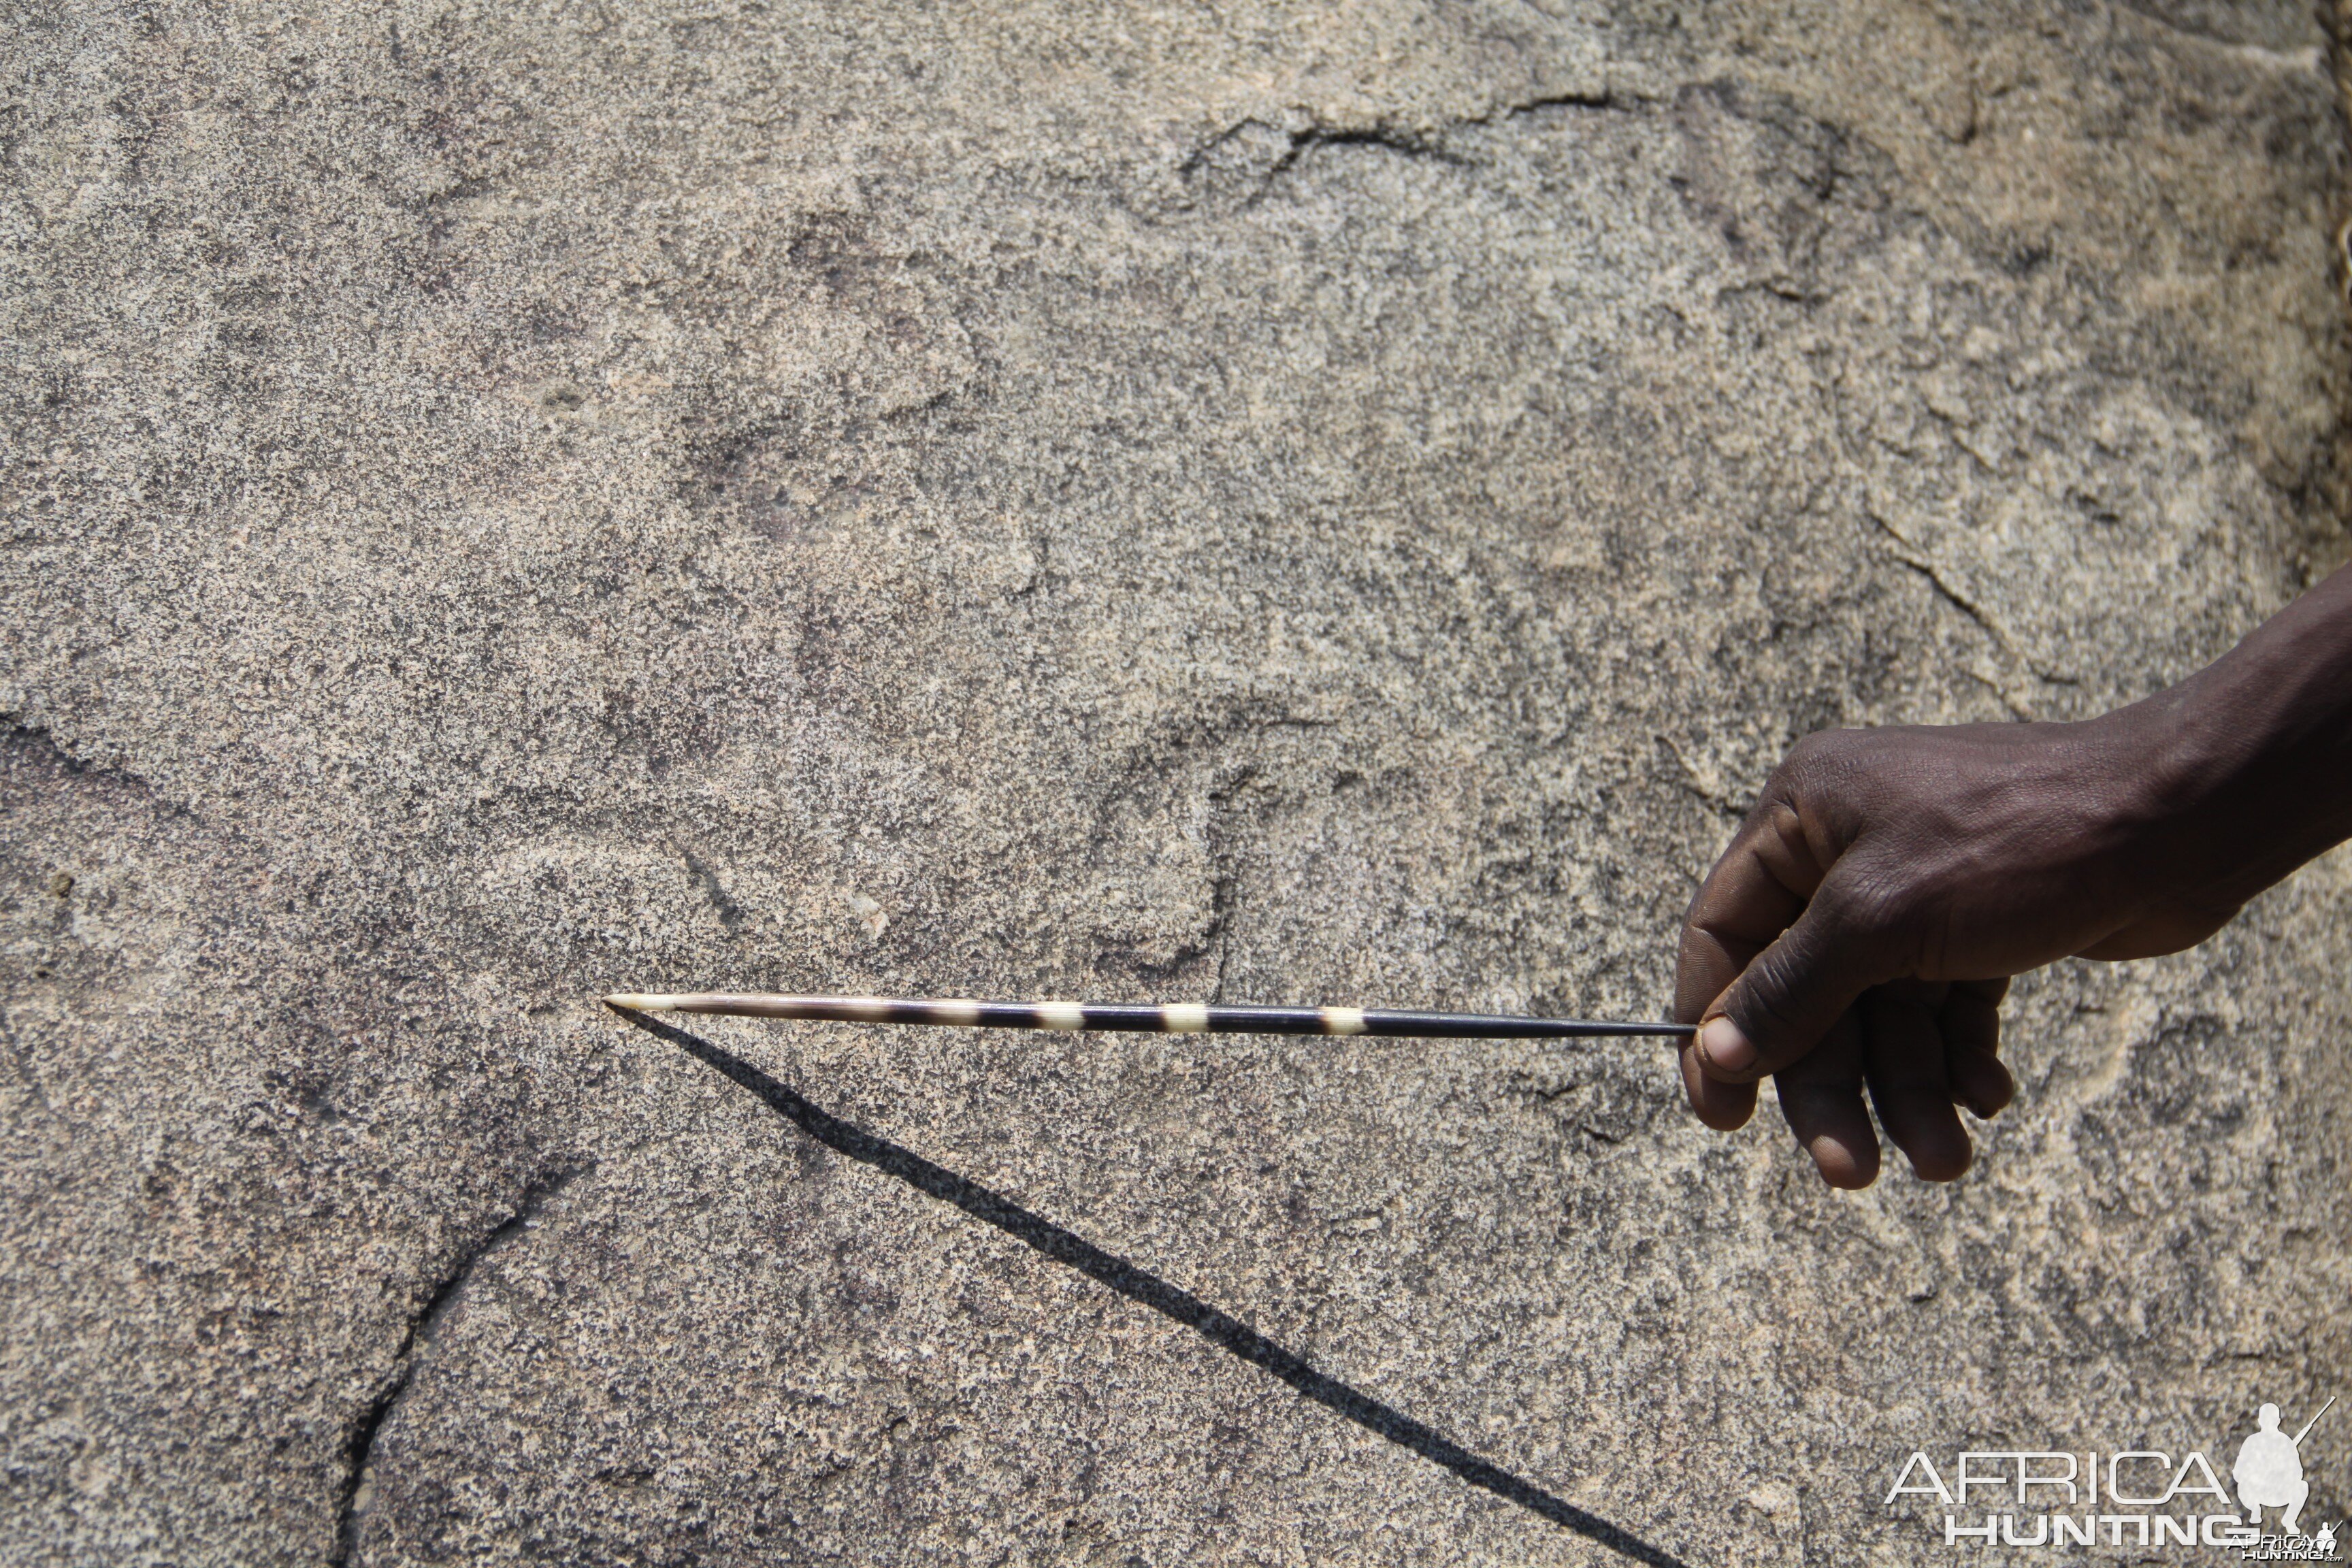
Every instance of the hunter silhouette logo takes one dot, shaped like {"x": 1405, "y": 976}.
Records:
{"x": 2269, "y": 1471}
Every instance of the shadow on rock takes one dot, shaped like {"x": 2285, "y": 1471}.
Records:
{"x": 1226, "y": 1332}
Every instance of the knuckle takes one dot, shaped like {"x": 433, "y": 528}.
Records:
{"x": 1799, "y": 768}
{"x": 1836, "y": 779}
{"x": 1824, "y": 751}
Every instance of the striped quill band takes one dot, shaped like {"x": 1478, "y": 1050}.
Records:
{"x": 1177, "y": 1018}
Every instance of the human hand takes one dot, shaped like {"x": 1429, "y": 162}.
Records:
{"x": 1862, "y": 928}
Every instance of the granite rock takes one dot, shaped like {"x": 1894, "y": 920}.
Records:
{"x": 512, "y": 502}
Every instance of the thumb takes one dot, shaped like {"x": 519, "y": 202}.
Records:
{"x": 1786, "y": 999}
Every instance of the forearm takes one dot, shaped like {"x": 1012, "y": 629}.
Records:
{"x": 2249, "y": 761}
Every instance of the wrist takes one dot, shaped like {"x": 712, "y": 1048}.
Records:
{"x": 2159, "y": 784}
{"x": 2222, "y": 785}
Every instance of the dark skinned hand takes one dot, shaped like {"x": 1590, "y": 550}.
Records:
{"x": 1862, "y": 928}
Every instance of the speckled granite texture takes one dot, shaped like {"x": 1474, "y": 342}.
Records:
{"x": 511, "y": 502}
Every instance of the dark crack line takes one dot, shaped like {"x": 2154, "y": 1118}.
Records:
{"x": 1909, "y": 554}
{"x": 1596, "y": 99}
{"x": 1430, "y": 145}
{"x": 1299, "y": 143}
{"x": 1404, "y": 143}
{"x": 1956, "y": 599}
{"x": 414, "y": 1340}
{"x": 1983, "y": 619}
{"x": 1222, "y": 1329}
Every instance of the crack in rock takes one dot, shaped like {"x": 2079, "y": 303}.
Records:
{"x": 1246, "y": 158}
{"x": 415, "y": 1340}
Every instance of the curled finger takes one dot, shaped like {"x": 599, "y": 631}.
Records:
{"x": 1971, "y": 1021}
{"x": 1904, "y": 1061}
{"x": 1821, "y": 1096}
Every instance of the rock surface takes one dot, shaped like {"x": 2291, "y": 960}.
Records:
{"x": 508, "y": 502}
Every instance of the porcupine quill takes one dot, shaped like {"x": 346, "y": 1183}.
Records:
{"x": 1150, "y": 1018}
